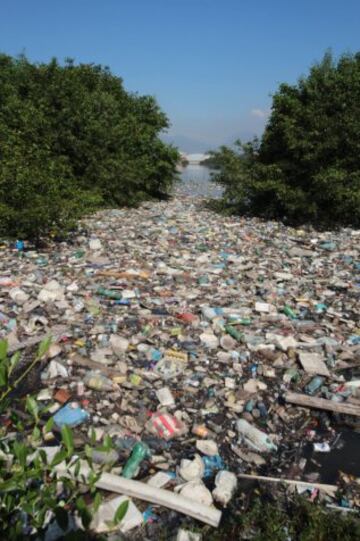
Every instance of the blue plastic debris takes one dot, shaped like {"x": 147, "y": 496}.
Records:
{"x": 19, "y": 245}
{"x": 212, "y": 465}
{"x": 149, "y": 515}
{"x": 70, "y": 416}
{"x": 156, "y": 355}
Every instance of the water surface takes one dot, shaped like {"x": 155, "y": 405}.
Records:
{"x": 195, "y": 181}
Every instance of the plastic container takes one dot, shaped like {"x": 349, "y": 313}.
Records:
{"x": 314, "y": 384}
{"x": 139, "y": 453}
{"x": 70, "y": 415}
{"x": 109, "y": 293}
{"x": 98, "y": 382}
{"x": 234, "y": 333}
{"x": 225, "y": 486}
{"x": 254, "y": 437}
{"x": 289, "y": 312}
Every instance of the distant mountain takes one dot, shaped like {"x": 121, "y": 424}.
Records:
{"x": 187, "y": 144}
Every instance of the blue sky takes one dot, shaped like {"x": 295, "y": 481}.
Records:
{"x": 212, "y": 64}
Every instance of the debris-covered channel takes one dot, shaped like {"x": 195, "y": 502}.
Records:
{"x": 210, "y": 349}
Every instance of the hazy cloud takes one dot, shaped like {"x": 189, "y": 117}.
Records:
{"x": 259, "y": 113}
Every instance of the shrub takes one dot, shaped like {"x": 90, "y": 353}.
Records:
{"x": 35, "y": 498}
{"x": 306, "y": 167}
{"x": 72, "y": 139}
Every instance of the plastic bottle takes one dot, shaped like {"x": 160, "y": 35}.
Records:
{"x": 201, "y": 431}
{"x": 289, "y": 312}
{"x": 249, "y": 406}
{"x": 109, "y": 293}
{"x": 234, "y": 333}
{"x": 254, "y": 437}
{"x": 235, "y": 320}
{"x": 42, "y": 261}
{"x": 139, "y": 453}
{"x": 98, "y": 382}
{"x": 314, "y": 384}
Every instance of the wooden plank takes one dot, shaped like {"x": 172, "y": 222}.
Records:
{"x": 322, "y": 404}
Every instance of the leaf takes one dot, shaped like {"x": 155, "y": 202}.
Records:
{"x": 67, "y": 438}
{"x": 97, "y": 501}
{"x": 44, "y": 346}
{"x": 14, "y": 361}
{"x": 77, "y": 468}
{"x": 9, "y": 485}
{"x": 21, "y": 453}
{"x": 32, "y": 407}
{"x": 121, "y": 511}
{"x": 59, "y": 457}
{"x": 93, "y": 437}
{"x": 3, "y": 350}
{"x": 49, "y": 425}
{"x": 88, "y": 453}
{"x": 43, "y": 456}
{"x": 83, "y": 511}
{"x": 108, "y": 443}
{"x": 36, "y": 434}
{"x": 3, "y": 375}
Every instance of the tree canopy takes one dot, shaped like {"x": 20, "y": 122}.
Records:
{"x": 306, "y": 166}
{"x": 73, "y": 139}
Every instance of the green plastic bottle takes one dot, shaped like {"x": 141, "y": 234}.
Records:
{"x": 139, "y": 453}
{"x": 109, "y": 293}
{"x": 289, "y": 312}
{"x": 234, "y": 333}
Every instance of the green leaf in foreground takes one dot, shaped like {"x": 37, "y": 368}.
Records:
{"x": 32, "y": 407}
{"x": 3, "y": 349}
{"x": 44, "y": 346}
{"x": 67, "y": 438}
{"x": 121, "y": 511}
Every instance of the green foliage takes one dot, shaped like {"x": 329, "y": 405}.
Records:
{"x": 72, "y": 140}
{"x": 306, "y": 168}
{"x": 7, "y": 366}
{"x": 34, "y": 496}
